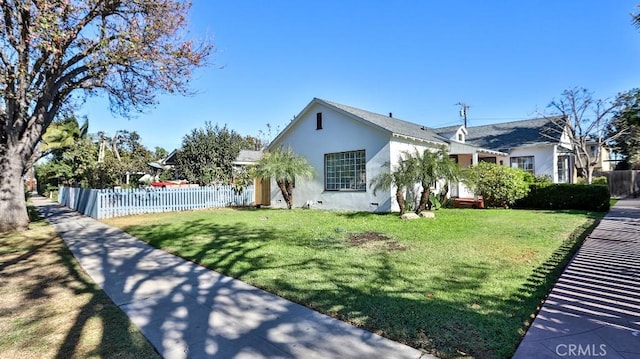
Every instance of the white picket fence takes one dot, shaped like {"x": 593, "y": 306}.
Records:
{"x": 109, "y": 203}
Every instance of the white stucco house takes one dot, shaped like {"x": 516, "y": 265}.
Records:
{"x": 348, "y": 147}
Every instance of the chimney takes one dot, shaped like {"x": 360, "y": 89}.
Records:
{"x": 391, "y": 114}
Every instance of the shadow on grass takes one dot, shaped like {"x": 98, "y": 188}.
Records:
{"x": 236, "y": 242}
{"x": 115, "y": 340}
{"x": 445, "y": 326}
{"x": 34, "y": 215}
{"x": 53, "y": 294}
{"x": 484, "y": 326}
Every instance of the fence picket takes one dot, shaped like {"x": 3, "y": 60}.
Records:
{"x": 109, "y": 203}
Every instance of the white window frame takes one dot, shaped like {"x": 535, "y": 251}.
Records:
{"x": 345, "y": 171}
{"x": 522, "y": 163}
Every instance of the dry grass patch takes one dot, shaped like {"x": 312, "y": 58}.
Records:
{"x": 375, "y": 240}
{"x": 49, "y": 308}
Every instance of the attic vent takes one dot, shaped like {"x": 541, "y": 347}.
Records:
{"x": 319, "y": 121}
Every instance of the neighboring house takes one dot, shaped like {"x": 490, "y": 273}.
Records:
{"x": 247, "y": 158}
{"x": 602, "y": 159}
{"x": 167, "y": 163}
{"x": 537, "y": 146}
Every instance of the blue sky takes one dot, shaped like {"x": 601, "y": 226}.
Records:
{"x": 415, "y": 58}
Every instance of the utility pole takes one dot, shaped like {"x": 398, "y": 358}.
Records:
{"x": 463, "y": 111}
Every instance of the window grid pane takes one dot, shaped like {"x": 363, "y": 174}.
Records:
{"x": 525, "y": 163}
{"x": 345, "y": 171}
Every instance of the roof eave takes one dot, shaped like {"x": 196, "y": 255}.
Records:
{"x": 398, "y": 135}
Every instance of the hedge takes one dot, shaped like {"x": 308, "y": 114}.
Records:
{"x": 566, "y": 196}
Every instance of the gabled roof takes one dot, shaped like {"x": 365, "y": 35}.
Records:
{"x": 170, "y": 159}
{"x": 394, "y": 125}
{"x": 495, "y": 139}
{"x": 507, "y": 135}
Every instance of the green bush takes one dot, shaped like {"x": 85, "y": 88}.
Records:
{"x": 566, "y": 196}
{"x": 594, "y": 180}
{"x": 599, "y": 180}
{"x": 500, "y": 186}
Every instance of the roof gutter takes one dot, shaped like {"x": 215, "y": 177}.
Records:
{"x": 397, "y": 135}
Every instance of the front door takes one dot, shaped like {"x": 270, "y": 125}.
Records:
{"x": 263, "y": 191}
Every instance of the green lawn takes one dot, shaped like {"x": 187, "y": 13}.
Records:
{"x": 466, "y": 283}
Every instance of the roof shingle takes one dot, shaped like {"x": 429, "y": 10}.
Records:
{"x": 392, "y": 124}
{"x": 507, "y": 135}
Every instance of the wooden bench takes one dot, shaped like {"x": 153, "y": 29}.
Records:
{"x": 474, "y": 203}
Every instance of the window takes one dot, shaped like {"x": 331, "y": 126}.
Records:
{"x": 525, "y": 163}
{"x": 345, "y": 171}
{"x": 460, "y": 137}
{"x": 487, "y": 159}
{"x": 563, "y": 169}
{"x": 319, "y": 121}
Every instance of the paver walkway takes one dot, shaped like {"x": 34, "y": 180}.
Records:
{"x": 186, "y": 310}
{"x": 594, "y": 309}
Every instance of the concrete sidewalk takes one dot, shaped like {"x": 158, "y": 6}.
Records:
{"x": 593, "y": 310}
{"x": 186, "y": 310}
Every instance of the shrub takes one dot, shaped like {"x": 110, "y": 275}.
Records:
{"x": 566, "y": 196}
{"x": 595, "y": 180}
{"x": 599, "y": 180}
{"x": 499, "y": 185}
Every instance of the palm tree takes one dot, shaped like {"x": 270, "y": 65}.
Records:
{"x": 284, "y": 166}
{"x": 400, "y": 178}
{"x": 61, "y": 135}
{"x": 429, "y": 167}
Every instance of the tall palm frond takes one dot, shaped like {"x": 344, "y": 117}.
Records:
{"x": 430, "y": 166}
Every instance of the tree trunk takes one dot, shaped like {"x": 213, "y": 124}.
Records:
{"x": 424, "y": 198}
{"x": 400, "y": 199}
{"x": 589, "y": 173}
{"x": 13, "y": 207}
{"x": 285, "y": 193}
{"x": 443, "y": 193}
{"x": 289, "y": 186}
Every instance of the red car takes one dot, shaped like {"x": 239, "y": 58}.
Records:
{"x": 164, "y": 184}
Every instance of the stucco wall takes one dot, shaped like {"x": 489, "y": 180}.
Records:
{"x": 339, "y": 133}
{"x": 544, "y": 159}
{"x": 398, "y": 146}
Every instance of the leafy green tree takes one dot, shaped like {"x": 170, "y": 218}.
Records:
{"x": 427, "y": 167}
{"x": 81, "y": 164}
{"x": 399, "y": 177}
{"x": 61, "y": 135}
{"x": 55, "y": 54}
{"x": 75, "y": 165}
{"x": 500, "y": 186}
{"x": 284, "y": 166}
{"x": 207, "y": 154}
{"x": 626, "y": 123}
{"x": 135, "y": 157}
{"x": 159, "y": 153}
